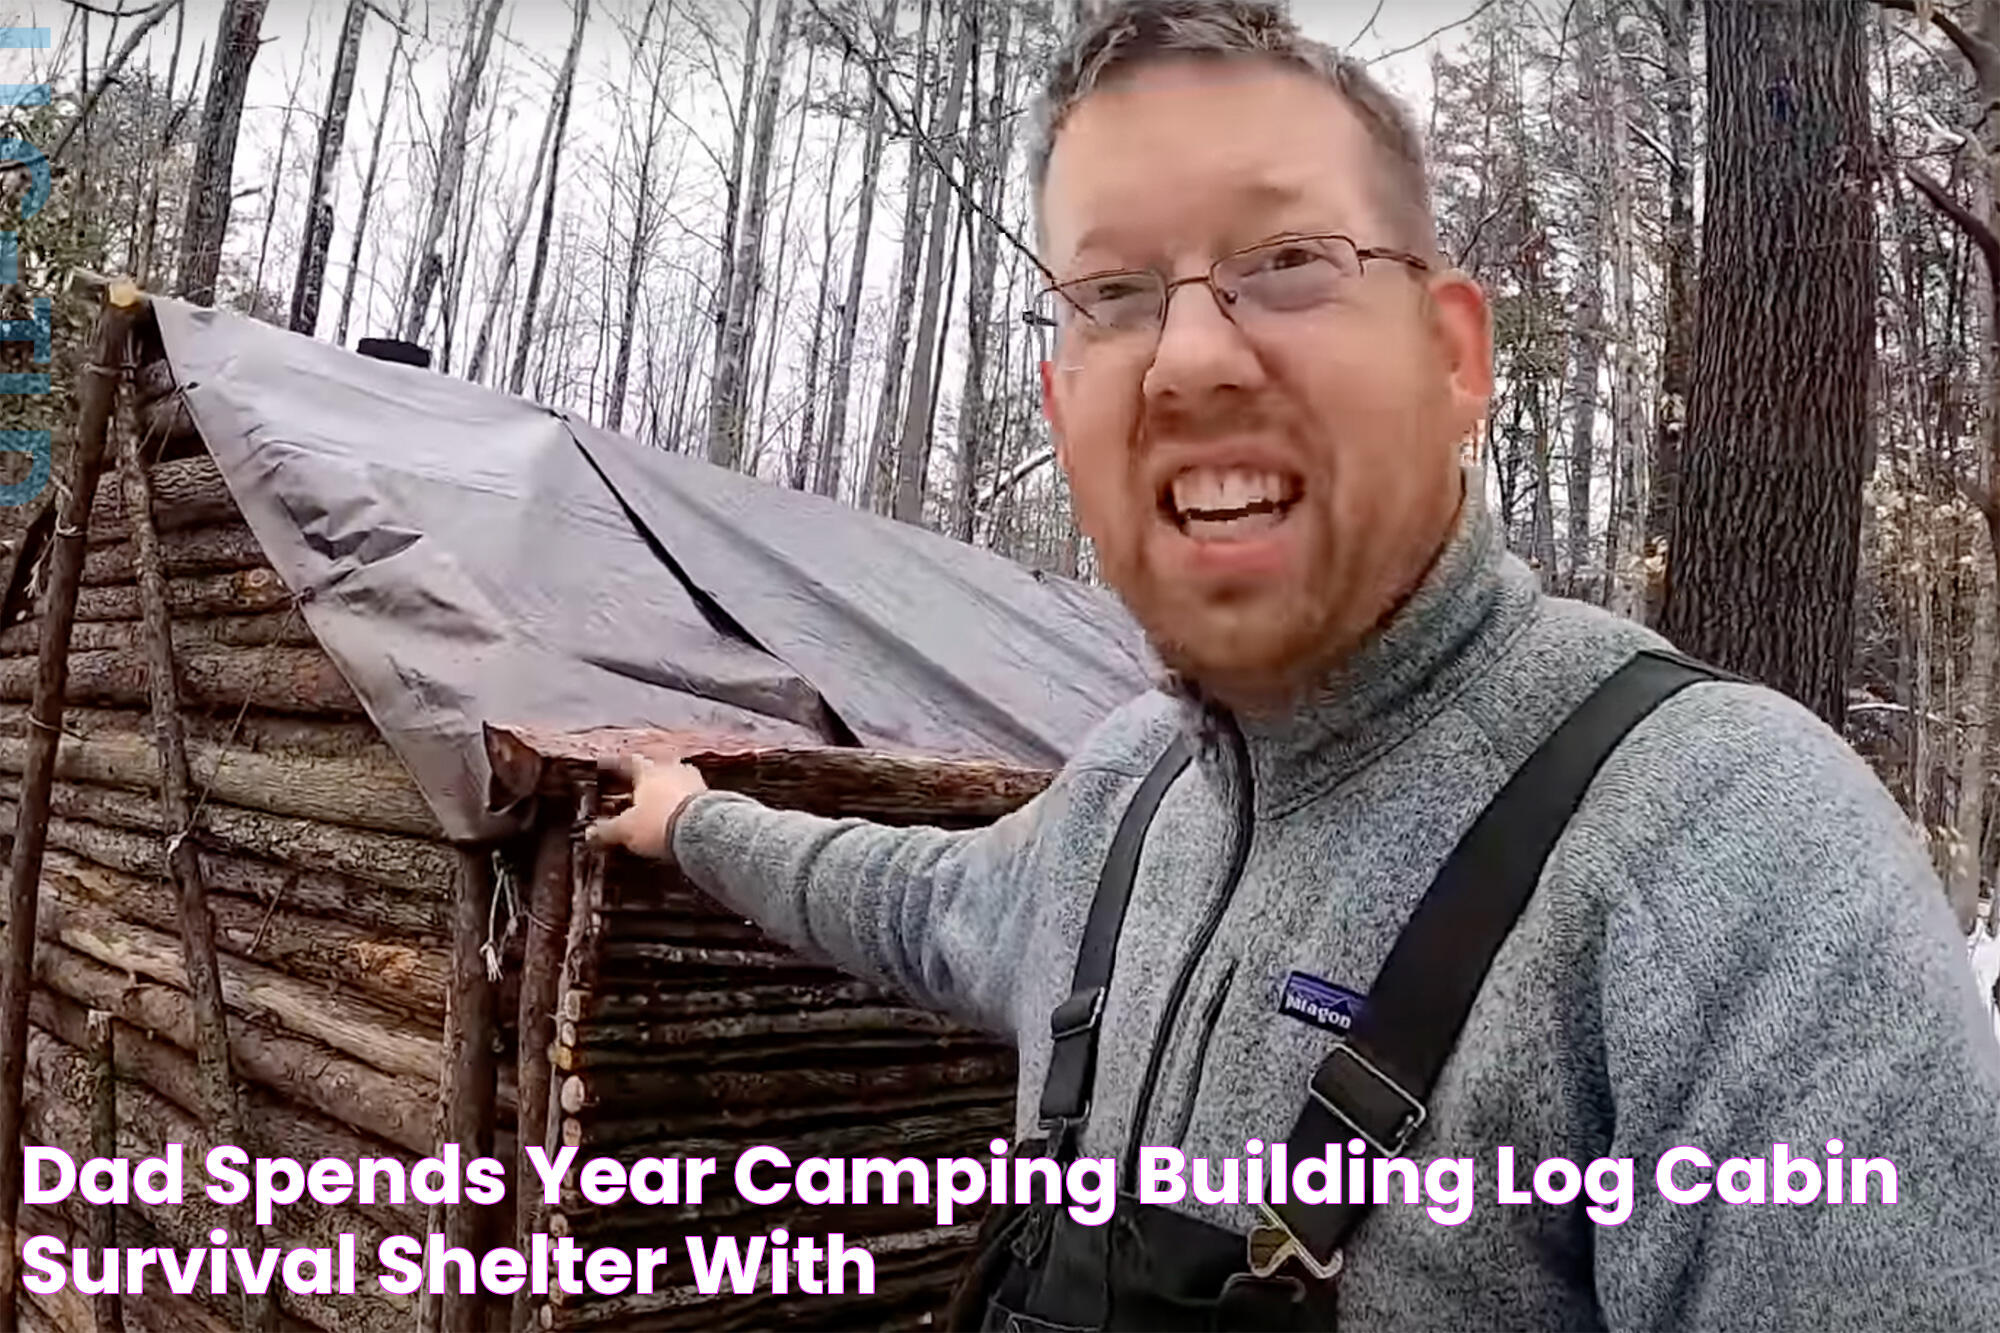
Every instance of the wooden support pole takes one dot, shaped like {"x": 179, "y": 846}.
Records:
{"x": 107, "y": 1308}
{"x": 547, "y": 910}
{"x": 177, "y": 806}
{"x": 470, "y": 1084}
{"x": 123, "y": 303}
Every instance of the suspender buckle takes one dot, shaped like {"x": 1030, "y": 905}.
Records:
{"x": 1273, "y": 1241}
{"x": 1078, "y": 1014}
{"x": 1355, "y": 1091}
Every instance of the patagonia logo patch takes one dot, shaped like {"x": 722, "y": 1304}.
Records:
{"x": 1320, "y": 1003}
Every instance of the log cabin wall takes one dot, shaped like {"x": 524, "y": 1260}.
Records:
{"x": 328, "y": 880}
{"x": 667, "y": 1027}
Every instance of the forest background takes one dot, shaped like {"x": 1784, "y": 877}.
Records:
{"x": 1742, "y": 256}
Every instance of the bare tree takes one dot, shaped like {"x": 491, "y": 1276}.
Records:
{"x": 545, "y": 152}
{"x": 992, "y": 170}
{"x": 209, "y": 188}
{"x": 646, "y": 193}
{"x": 565, "y": 98}
{"x": 826, "y": 475}
{"x": 913, "y": 449}
{"x": 729, "y": 389}
{"x": 451, "y": 144}
{"x": 879, "y": 478}
{"x": 310, "y": 278}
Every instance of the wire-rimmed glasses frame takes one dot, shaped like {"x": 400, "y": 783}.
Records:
{"x": 1287, "y": 275}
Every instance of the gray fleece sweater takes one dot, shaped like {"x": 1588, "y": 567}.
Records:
{"x": 1737, "y": 943}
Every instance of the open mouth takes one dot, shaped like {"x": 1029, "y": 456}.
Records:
{"x": 1228, "y": 504}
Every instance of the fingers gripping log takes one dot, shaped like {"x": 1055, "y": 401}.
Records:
{"x": 197, "y": 926}
{"x": 99, "y": 396}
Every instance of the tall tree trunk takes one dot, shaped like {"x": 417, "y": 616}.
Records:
{"x": 565, "y": 98}
{"x": 808, "y": 456}
{"x": 972, "y": 402}
{"x": 879, "y": 482}
{"x": 732, "y": 216}
{"x": 826, "y": 477}
{"x": 1621, "y": 567}
{"x": 1542, "y": 542}
{"x": 1676, "y": 19}
{"x": 729, "y": 392}
{"x": 450, "y": 165}
{"x": 310, "y": 278}
{"x": 271, "y": 199}
{"x": 913, "y": 449}
{"x": 558, "y": 104}
{"x": 149, "y": 238}
{"x": 1761, "y": 576}
{"x": 640, "y": 240}
{"x": 210, "y": 182}
{"x": 781, "y": 288}
{"x": 368, "y": 177}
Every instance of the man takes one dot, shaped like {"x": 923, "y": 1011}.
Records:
{"x": 1261, "y": 375}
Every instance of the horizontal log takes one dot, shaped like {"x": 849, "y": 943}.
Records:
{"x": 264, "y": 732}
{"x": 657, "y": 1004}
{"x": 396, "y": 973}
{"x": 236, "y": 593}
{"x": 359, "y": 792}
{"x": 587, "y": 1045}
{"x": 145, "y": 1125}
{"x": 155, "y": 1309}
{"x": 282, "y": 680}
{"x": 368, "y": 1032}
{"x": 724, "y": 1092}
{"x": 187, "y": 492}
{"x": 821, "y": 779}
{"x": 300, "y": 1133}
{"x": 261, "y": 629}
{"x": 417, "y": 866}
{"x": 607, "y": 1130}
{"x": 208, "y": 550}
{"x": 315, "y": 893}
{"x": 396, "y": 1110}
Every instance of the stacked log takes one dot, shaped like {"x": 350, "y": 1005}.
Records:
{"x": 661, "y": 1026}
{"x": 683, "y": 1032}
{"x": 327, "y": 877}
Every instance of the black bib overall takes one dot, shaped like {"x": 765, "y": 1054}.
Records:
{"x": 1151, "y": 1268}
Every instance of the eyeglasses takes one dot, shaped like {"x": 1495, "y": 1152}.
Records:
{"x": 1281, "y": 277}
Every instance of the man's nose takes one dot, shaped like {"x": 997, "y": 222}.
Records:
{"x": 1201, "y": 348}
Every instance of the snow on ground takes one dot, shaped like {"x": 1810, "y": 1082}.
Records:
{"x": 1984, "y": 951}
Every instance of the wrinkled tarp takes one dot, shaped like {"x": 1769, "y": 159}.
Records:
{"x": 467, "y": 557}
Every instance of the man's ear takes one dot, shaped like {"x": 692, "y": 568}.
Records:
{"x": 1052, "y": 412}
{"x": 1464, "y": 326}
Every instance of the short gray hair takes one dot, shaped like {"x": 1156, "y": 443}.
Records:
{"x": 1124, "y": 36}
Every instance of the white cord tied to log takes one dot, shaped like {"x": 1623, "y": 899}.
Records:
{"x": 496, "y": 935}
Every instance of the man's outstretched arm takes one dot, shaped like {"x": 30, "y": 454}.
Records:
{"x": 930, "y": 912}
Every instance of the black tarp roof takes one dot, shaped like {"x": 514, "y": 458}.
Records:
{"x": 467, "y": 557}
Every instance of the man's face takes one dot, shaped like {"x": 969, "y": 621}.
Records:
{"x": 1261, "y": 490}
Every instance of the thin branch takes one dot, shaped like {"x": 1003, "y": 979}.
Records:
{"x": 1367, "y": 27}
{"x": 1963, "y": 218}
{"x": 1639, "y": 131}
{"x": 922, "y": 140}
{"x": 1981, "y": 56}
{"x": 1432, "y": 35}
{"x": 146, "y": 24}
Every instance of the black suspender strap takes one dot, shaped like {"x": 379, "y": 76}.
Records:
{"x": 1074, "y": 1026}
{"x": 1375, "y": 1083}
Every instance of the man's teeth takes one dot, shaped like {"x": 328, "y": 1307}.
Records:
{"x": 1219, "y": 493}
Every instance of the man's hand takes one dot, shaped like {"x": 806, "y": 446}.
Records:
{"x": 659, "y": 790}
